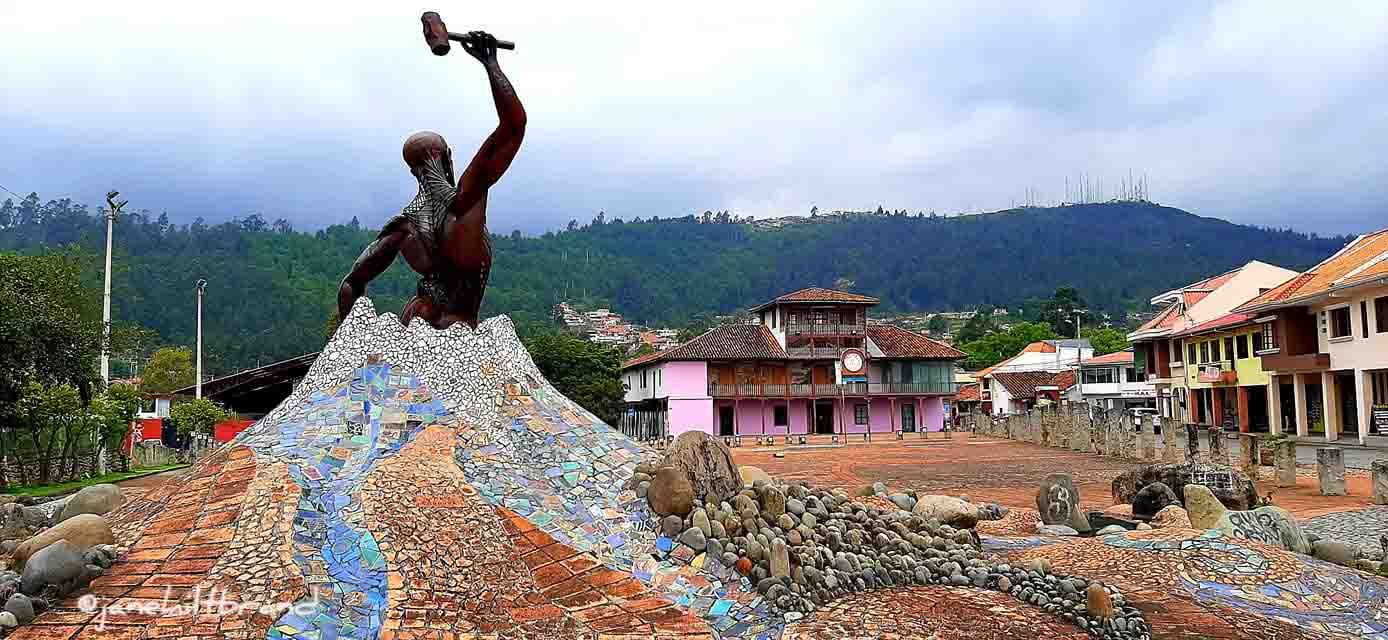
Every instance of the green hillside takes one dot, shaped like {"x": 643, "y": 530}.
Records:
{"x": 273, "y": 289}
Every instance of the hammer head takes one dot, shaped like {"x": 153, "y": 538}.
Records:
{"x": 435, "y": 33}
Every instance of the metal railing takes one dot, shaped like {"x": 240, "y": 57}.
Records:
{"x": 828, "y": 390}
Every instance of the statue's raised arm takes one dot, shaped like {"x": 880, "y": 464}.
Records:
{"x": 442, "y": 233}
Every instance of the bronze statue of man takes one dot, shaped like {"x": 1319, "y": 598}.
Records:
{"x": 443, "y": 232}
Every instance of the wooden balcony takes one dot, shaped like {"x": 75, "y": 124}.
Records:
{"x": 859, "y": 389}
{"x": 814, "y": 352}
{"x": 1302, "y": 362}
{"x": 825, "y": 329}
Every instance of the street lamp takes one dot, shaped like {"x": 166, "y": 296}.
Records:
{"x": 112, "y": 210}
{"x": 202, "y": 286}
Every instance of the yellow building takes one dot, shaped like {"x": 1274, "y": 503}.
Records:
{"x": 1228, "y": 386}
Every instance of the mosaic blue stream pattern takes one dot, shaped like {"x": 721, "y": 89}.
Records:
{"x": 330, "y": 445}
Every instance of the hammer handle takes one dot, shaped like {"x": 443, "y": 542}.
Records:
{"x": 500, "y": 44}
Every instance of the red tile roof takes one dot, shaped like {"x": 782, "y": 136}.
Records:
{"x": 819, "y": 294}
{"x": 896, "y": 342}
{"x": 1222, "y": 322}
{"x": 728, "y": 342}
{"x": 1364, "y": 259}
{"x": 1117, "y": 357}
{"x": 968, "y": 393}
{"x": 1023, "y": 384}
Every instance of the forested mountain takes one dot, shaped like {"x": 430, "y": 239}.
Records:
{"x": 272, "y": 289}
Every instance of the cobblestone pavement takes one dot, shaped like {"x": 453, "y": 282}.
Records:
{"x": 1362, "y": 527}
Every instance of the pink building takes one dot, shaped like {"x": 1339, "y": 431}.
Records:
{"x": 811, "y": 364}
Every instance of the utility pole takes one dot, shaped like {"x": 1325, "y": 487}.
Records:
{"x": 112, "y": 210}
{"x": 202, "y": 285}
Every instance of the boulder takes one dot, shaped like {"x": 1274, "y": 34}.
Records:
{"x": 22, "y": 608}
{"x": 773, "y": 502}
{"x": 1269, "y": 525}
{"x": 1234, "y": 489}
{"x": 1335, "y": 552}
{"x": 707, "y": 463}
{"x": 750, "y": 475}
{"x": 947, "y": 510}
{"x": 1203, "y": 508}
{"x": 82, "y": 532}
{"x": 56, "y": 563}
{"x": 1173, "y": 516}
{"x": 1153, "y": 498}
{"x": 18, "y": 521}
{"x": 670, "y": 493}
{"x": 780, "y": 558}
{"x": 98, "y": 499}
{"x": 1058, "y": 502}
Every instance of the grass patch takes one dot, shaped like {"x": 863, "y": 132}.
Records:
{"x": 42, "y": 490}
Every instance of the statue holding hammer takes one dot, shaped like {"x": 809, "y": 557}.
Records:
{"x": 442, "y": 233}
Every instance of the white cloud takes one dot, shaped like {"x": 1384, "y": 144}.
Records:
{"x": 1264, "y": 113}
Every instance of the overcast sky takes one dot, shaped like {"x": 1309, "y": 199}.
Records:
{"x": 1259, "y": 112}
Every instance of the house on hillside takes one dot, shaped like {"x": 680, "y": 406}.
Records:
{"x": 1323, "y": 341}
{"x": 810, "y": 364}
{"x": 1111, "y": 381}
{"x": 1160, "y": 352}
{"x": 1041, "y": 372}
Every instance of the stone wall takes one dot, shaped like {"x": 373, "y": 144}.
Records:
{"x": 1084, "y": 429}
{"x": 81, "y": 465}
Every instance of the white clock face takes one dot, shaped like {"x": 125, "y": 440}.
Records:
{"x": 853, "y": 362}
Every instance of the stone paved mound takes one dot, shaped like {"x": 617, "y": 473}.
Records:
{"x": 430, "y": 484}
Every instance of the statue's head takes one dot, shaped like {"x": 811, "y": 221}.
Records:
{"x": 423, "y": 147}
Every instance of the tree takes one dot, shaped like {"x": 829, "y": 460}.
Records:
{"x": 168, "y": 369}
{"x": 1059, "y": 311}
{"x": 1000, "y": 345}
{"x": 1104, "y": 339}
{"x": 644, "y": 349}
{"x": 198, "y": 415}
{"x": 50, "y": 325}
{"x": 586, "y": 372}
{"x": 937, "y": 325}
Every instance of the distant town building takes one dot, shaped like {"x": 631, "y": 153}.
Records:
{"x": 1041, "y": 373}
{"x": 1112, "y": 382}
{"x": 810, "y": 364}
{"x": 1322, "y": 339}
{"x": 1187, "y": 385}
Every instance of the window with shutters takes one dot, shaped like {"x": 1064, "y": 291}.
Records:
{"x": 860, "y": 414}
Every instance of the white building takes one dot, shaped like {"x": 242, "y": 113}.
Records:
{"x": 1113, "y": 382}
{"x": 1042, "y": 371}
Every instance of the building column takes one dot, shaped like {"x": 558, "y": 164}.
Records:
{"x": 891, "y": 413}
{"x": 1364, "y": 402}
{"x": 1216, "y": 406}
{"x": 1330, "y": 406}
{"x": 1274, "y": 405}
{"x": 1245, "y": 420}
{"x": 1299, "y": 395}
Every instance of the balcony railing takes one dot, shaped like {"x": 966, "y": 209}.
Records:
{"x": 1300, "y": 362}
{"x": 826, "y": 329}
{"x": 814, "y": 352}
{"x": 828, "y": 390}
{"x": 1217, "y": 372}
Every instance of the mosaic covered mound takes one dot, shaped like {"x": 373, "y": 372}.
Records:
{"x": 431, "y": 484}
